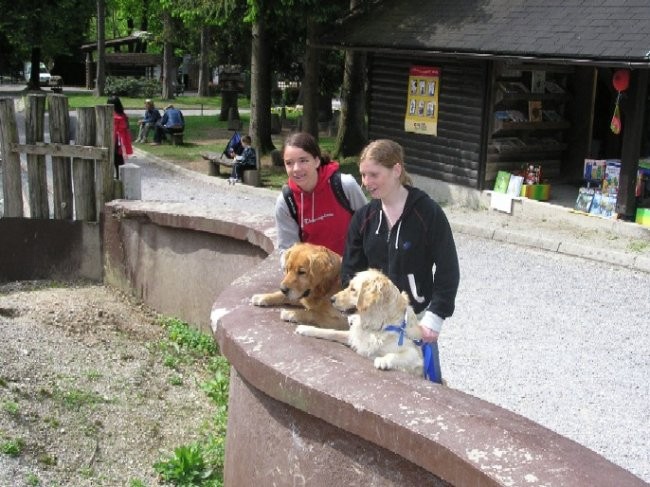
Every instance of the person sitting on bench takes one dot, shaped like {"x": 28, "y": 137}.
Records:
{"x": 247, "y": 160}
{"x": 148, "y": 121}
{"x": 172, "y": 122}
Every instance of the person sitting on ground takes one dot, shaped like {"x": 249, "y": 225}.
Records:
{"x": 148, "y": 121}
{"x": 172, "y": 122}
{"x": 247, "y": 160}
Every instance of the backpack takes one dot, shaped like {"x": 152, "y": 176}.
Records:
{"x": 337, "y": 188}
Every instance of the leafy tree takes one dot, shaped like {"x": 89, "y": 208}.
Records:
{"x": 41, "y": 29}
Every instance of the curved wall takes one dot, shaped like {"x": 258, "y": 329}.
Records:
{"x": 310, "y": 412}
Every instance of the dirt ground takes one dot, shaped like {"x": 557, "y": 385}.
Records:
{"x": 84, "y": 389}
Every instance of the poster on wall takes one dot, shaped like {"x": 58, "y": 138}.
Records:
{"x": 422, "y": 101}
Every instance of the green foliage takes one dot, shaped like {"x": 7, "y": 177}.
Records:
{"x": 11, "y": 407}
{"x": 75, "y": 399}
{"x": 12, "y": 446}
{"x": 199, "y": 464}
{"x": 33, "y": 480}
{"x": 187, "y": 338}
{"x": 186, "y": 467}
{"x": 132, "y": 87}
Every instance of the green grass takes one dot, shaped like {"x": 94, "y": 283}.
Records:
{"x": 12, "y": 446}
{"x": 200, "y": 463}
{"x": 11, "y": 407}
{"x": 78, "y": 100}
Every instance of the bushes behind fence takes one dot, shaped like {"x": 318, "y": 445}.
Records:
{"x": 133, "y": 87}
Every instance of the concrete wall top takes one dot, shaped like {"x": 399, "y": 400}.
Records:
{"x": 459, "y": 438}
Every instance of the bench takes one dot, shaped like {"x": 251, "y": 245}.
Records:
{"x": 176, "y": 138}
{"x": 217, "y": 161}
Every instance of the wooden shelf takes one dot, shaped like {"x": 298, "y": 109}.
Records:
{"x": 502, "y": 97}
{"x": 501, "y": 126}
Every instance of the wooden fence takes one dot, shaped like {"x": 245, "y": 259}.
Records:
{"x": 82, "y": 174}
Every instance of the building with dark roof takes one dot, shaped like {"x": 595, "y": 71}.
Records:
{"x": 519, "y": 82}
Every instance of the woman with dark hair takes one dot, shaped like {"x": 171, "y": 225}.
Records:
{"x": 121, "y": 133}
{"x": 317, "y": 215}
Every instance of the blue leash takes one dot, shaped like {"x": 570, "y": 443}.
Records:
{"x": 430, "y": 352}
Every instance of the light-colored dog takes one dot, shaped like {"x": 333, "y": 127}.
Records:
{"x": 379, "y": 315}
{"x": 312, "y": 274}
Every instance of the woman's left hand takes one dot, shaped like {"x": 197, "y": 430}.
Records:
{"x": 428, "y": 335}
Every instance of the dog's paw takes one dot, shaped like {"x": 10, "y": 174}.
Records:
{"x": 305, "y": 330}
{"x": 383, "y": 363}
{"x": 258, "y": 300}
{"x": 288, "y": 315}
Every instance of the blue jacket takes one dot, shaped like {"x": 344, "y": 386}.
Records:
{"x": 248, "y": 158}
{"x": 173, "y": 118}
{"x": 151, "y": 116}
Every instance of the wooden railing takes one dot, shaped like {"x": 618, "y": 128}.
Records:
{"x": 82, "y": 173}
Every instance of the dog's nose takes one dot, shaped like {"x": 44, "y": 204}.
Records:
{"x": 285, "y": 290}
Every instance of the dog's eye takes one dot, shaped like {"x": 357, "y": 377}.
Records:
{"x": 301, "y": 272}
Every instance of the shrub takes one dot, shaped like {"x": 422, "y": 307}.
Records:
{"x": 133, "y": 87}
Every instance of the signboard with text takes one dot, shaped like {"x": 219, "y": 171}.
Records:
{"x": 422, "y": 101}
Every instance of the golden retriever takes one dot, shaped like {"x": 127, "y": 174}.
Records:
{"x": 312, "y": 274}
{"x": 383, "y": 326}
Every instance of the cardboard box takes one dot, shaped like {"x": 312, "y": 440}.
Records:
{"x": 539, "y": 192}
{"x": 643, "y": 216}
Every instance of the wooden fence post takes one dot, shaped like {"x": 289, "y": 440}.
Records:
{"x": 83, "y": 170}
{"x": 12, "y": 190}
{"x": 105, "y": 168}
{"x": 36, "y": 168}
{"x": 61, "y": 166}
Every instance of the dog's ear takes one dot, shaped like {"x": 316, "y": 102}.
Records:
{"x": 325, "y": 267}
{"x": 371, "y": 291}
{"x": 286, "y": 256}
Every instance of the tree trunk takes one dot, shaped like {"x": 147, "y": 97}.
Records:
{"x": 310, "y": 85}
{"x": 169, "y": 66}
{"x": 260, "y": 125}
{"x": 34, "y": 80}
{"x": 352, "y": 135}
{"x": 100, "y": 78}
{"x": 204, "y": 66}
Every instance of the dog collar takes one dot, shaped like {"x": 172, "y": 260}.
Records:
{"x": 400, "y": 329}
{"x": 430, "y": 353}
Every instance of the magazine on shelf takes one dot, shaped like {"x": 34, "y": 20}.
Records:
{"x": 513, "y": 87}
{"x": 596, "y": 204}
{"x": 535, "y": 111}
{"x": 504, "y": 144}
{"x": 537, "y": 81}
{"x": 608, "y": 205}
{"x": 516, "y": 116}
{"x": 501, "y": 182}
{"x": 553, "y": 87}
{"x": 514, "y": 185}
{"x": 584, "y": 200}
{"x": 551, "y": 116}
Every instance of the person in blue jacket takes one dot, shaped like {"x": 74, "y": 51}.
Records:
{"x": 172, "y": 122}
{"x": 148, "y": 121}
{"x": 406, "y": 235}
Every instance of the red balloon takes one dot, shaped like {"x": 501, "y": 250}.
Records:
{"x": 621, "y": 79}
